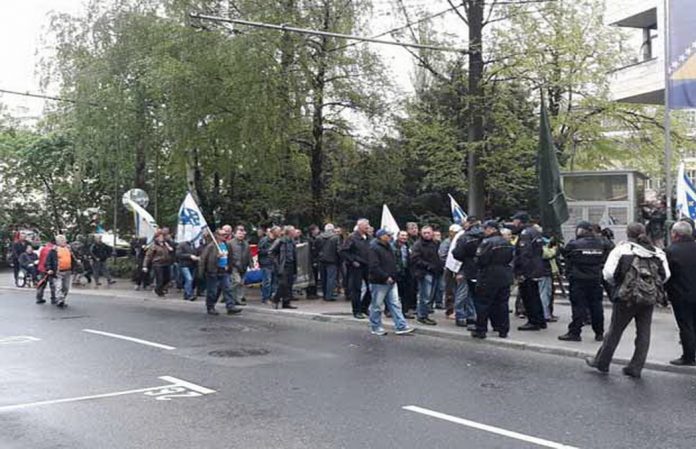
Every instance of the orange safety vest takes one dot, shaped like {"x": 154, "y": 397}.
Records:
{"x": 64, "y": 259}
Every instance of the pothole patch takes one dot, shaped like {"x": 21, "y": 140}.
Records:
{"x": 241, "y": 352}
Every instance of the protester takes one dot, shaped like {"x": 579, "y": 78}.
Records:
{"x": 284, "y": 256}
{"x": 585, "y": 257}
{"x": 28, "y": 261}
{"x": 314, "y": 250}
{"x": 447, "y": 281}
{"x": 187, "y": 261}
{"x": 413, "y": 232}
{"x": 19, "y": 246}
{"x": 172, "y": 267}
{"x": 159, "y": 256}
{"x": 356, "y": 253}
{"x": 464, "y": 252}
{"x": 241, "y": 262}
{"x": 681, "y": 289}
{"x": 141, "y": 277}
{"x": 637, "y": 271}
{"x": 46, "y": 277}
{"x": 405, "y": 281}
{"x": 427, "y": 269}
{"x": 529, "y": 268}
{"x": 546, "y": 289}
{"x": 328, "y": 244}
{"x": 268, "y": 279}
{"x": 493, "y": 257}
{"x": 100, "y": 253}
{"x": 382, "y": 276}
{"x": 60, "y": 263}
{"x": 214, "y": 265}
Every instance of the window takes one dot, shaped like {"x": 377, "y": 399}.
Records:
{"x": 596, "y": 188}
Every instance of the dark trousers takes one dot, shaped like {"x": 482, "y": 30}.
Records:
{"x": 356, "y": 276}
{"x": 450, "y": 285}
{"x": 284, "y": 292}
{"x": 162, "y": 278}
{"x": 312, "y": 289}
{"x": 622, "y": 314}
{"x": 529, "y": 291}
{"x": 216, "y": 284}
{"x": 586, "y": 295}
{"x": 407, "y": 291}
{"x": 685, "y": 314}
{"x": 493, "y": 303}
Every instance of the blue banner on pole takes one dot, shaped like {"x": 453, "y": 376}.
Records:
{"x": 682, "y": 54}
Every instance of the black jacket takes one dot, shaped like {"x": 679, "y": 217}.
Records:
{"x": 425, "y": 259}
{"x": 494, "y": 257}
{"x": 284, "y": 254}
{"x": 585, "y": 257}
{"x": 100, "y": 251}
{"x": 328, "y": 244}
{"x": 465, "y": 251}
{"x": 382, "y": 263}
{"x": 265, "y": 259}
{"x": 529, "y": 262}
{"x": 356, "y": 249}
{"x": 184, "y": 251}
{"x": 681, "y": 256}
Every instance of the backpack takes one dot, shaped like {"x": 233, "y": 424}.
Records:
{"x": 642, "y": 284}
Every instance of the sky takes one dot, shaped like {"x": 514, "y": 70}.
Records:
{"x": 24, "y": 22}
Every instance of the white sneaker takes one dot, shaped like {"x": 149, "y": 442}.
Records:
{"x": 404, "y": 331}
{"x": 381, "y": 332}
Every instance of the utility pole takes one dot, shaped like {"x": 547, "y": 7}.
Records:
{"x": 474, "y": 13}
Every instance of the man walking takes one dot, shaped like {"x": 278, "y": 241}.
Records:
{"x": 328, "y": 244}
{"x": 464, "y": 255}
{"x": 268, "y": 280}
{"x": 46, "y": 277}
{"x": 241, "y": 262}
{"x": 427, "y": 269}
{"x": 585, "y": 257}
{"x": 529, "y": 268}
{"x": 187, "y": 260}
{"x": 494, "y": 256}
{"x": 60, "y": 263}
{"x": 100, "y": 253}
{"x": 383, "y": 272}
{"x": 356, "y": 253}
{"x": 637, "y": 272}
{"x": 681, "y": 289}
{"x": 284, "y": 254}
{"x": 405, "y": 282}
{"x": 214, "y": 267}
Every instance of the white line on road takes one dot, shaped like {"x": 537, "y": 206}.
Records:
{"x": 487, "y": 428}
{"x": 17, "y": 339}
{"x": 164, "y": 389}
{"x": 134, "y": 340}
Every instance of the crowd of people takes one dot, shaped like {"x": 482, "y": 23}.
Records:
{"x": 468, "y": 273}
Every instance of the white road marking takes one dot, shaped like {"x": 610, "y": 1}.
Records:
{"x": 134, "y": 340}
{"x": 18, "y": 340}
{"x": 165, "y": 392}
{"x": 487, "y": 428}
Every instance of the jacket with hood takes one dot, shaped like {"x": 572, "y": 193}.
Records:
{"x": 425, "y": 259}
{"x": 621, "y": 258}
{"x": 328, "y": 244}
{"x": 382, "y": 263}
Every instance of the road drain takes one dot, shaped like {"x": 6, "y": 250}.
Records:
{"x": 244, "y": 352}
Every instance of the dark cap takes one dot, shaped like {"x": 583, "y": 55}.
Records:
{"x": 522, "y": 216}
{"x": 491, "y": 224}
{"x": 381, "y": 233}
{"x": 584, "y": 225}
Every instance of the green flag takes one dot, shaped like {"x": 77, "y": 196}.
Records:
{"x": 552, "y": 201}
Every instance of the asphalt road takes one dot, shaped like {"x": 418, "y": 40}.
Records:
{"x": 260, "y": 381}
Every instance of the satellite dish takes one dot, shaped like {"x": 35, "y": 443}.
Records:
{"x": 138, "y": 196}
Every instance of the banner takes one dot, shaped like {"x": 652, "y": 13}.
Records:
{"x": 681, "y": 60}
{"x": 145, "y": 225}
{"x": 305, "y": 275}
{"x": 388, "y": 222}
{"x": 191, "y": 222}
{"x": 686, "y": 194}
{"x": 458, "y": 214}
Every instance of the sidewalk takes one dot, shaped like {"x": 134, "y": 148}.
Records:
{"x": 664, "y": 344}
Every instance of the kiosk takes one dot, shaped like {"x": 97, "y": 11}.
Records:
{"x": 610, "y": 198}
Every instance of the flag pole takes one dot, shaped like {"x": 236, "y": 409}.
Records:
{"x": 668, "y": 119}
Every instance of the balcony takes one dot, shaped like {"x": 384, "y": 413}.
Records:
{"x": 632, "y": 13}
{"x": 642, "y": 83}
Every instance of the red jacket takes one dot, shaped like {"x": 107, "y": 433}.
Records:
{"x": 43, "y": 255}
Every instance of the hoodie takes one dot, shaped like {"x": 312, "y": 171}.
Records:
{"x": 621, "y": 257}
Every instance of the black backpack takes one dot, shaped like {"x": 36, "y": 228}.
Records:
{"x": 642, "y": 285}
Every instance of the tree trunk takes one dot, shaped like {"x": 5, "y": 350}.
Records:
{"x": 475, "y": 177}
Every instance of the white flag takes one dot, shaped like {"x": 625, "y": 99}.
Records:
{"x": 145, "y": 225}
{"x": 458, "y": 214}
{"x": 388, "y": 221}
{"x": 686, "y": 194}
{"x": 191, "y": 222}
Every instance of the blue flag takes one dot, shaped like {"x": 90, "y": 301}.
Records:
{"x": 682, "y": 54}
{"x": 686, "y": 194}
{"x": 458, "y": 214}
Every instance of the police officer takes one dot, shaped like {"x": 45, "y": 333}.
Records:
{"x": 529, "y": 268}
{"x": 585, "y": 257}
{"x": 494, "y": 257}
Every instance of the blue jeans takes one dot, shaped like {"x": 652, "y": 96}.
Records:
{"x": 187, "y": 279}
{"x": 212, "y": 284}
{"x": 464, "y": 308}
{"x": 426, "y": 289}
{"x": 545, "y": 286}
{"x": 439, "y": 293}
{"x": 329, "y": 276}
{"x": 381, "y": 294}
{"x": 269, "y": 283}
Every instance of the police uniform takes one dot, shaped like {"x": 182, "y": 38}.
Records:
{"x": 529, "y": 267}
{"x": 494, "y": 257}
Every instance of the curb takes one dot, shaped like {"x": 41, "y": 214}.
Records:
{"x": 422, "y": 330}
